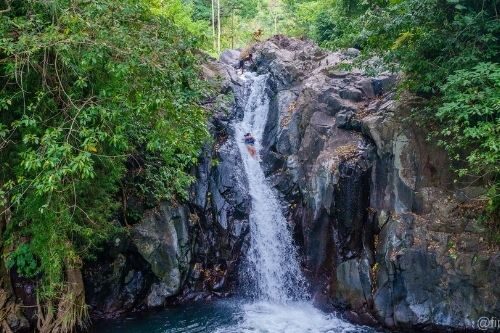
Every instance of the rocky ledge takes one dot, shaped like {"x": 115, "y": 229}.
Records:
{"x": 182, "y": 251}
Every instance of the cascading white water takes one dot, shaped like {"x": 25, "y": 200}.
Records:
{"x": 272, "y": 263}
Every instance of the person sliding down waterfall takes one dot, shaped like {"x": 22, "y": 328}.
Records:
{"x": 244, "y": 59}
{"x": 250, "y": 142}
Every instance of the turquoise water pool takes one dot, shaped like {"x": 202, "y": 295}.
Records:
{"x": 232, "y": 316}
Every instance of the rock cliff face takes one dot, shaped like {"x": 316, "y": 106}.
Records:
{"x": 382, "y": 232}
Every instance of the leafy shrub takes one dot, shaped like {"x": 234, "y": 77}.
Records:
{"x": 23, "y": 260}
{"x": 470, "y": 119}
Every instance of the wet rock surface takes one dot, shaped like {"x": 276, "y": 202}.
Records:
{"x": 143, "y": 268}
{"x": 219, "y": 202}
{"x": 162, "y": 239}
{"x": 118, "y": 281}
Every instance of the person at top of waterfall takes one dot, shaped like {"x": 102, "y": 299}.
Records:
{"x": 250, "y": 143}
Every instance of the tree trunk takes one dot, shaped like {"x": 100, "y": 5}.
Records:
{"x": 232, "y": 28}
{"x": 213, "y": 26}
{"x": 218, "y": 27}
{"x": 71, "y": 311}
{"x": 6, "y": 10}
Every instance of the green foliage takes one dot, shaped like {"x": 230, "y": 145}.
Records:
{"x": 239, "y": 20}
{"x": 328, "y": 22}
{"x": 84, "y": 87}
{"x": 23, "y": 260}
{"x": 470, "y": 118}
{"x": 491, "y": 218}
{"x": 303, "y": 18}
{"x": 431, "y": 39}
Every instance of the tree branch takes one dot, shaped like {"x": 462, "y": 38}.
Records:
{"x": 8, "y": 9}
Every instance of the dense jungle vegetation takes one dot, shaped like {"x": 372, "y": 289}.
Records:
{"x": 102, "y": 98}
{"x": 89, "y": 88}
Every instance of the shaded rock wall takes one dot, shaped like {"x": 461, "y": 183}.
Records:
{"x": 144, "y": 268}
{"x": 221, "y": 201}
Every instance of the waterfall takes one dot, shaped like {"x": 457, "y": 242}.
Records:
{"x": 279, "y": 301}
{"x": 271, "y": 264}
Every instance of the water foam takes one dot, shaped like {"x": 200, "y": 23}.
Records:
{"x": 271, "y": 264}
